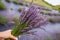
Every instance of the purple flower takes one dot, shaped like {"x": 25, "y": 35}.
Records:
{"x": 32, "y": 18}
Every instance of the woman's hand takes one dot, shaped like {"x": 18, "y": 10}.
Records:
{"x": 6, "y": 34}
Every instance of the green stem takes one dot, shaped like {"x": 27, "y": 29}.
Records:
{"x": 17, "y": 30}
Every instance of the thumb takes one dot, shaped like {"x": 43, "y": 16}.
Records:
{"x": 15, "y": 38}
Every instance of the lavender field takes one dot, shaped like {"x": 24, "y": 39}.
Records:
{"x": 49, "y": 20}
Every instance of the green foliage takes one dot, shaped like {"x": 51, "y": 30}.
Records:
{"x": 58, "y": 6}
{"x": 2, "y": 6}
{"x": 15, "y": 1}
{"x": 53, "y": 7}
{"x": 46, "y": 13}
{"x": 47, "y": 3}
{"x": 20, "y": 3}
{"x": 20, "y": 9}
{"x": 18, "y": 29}
{"x": 8, "y": 39}
{"x": 16, "y": 21}
{"x": 50, "y": 14}
{"x": 54, "y": 20}
{"x": 48, "y": 38}
{"x": 8, "y": 1}
{"x": 3, "y": 20}
{"x": 51, "y": 20}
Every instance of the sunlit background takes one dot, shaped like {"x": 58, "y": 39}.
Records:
{"x": 53, "y": 2}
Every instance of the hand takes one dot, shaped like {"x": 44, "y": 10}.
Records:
{"x": 6, "y": 34}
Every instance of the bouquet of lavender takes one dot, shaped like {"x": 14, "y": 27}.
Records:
{"x": 28, "y": 20}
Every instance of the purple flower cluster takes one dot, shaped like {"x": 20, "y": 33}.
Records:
{"x": 32, "y": 18}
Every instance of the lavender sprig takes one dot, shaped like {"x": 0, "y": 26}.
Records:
{"x": 32, "y": 18}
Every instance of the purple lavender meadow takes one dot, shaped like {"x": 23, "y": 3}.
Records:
{"x": 32, "y": 18}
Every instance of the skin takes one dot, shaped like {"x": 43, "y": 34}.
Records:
{"x": 6, "y": 34}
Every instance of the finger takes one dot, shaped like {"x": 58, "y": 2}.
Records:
{"x": 1, "y": 38}
{"x": 13, "y": 37}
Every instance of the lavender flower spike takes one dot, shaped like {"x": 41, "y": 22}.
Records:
{"x": 32, "y": 18}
